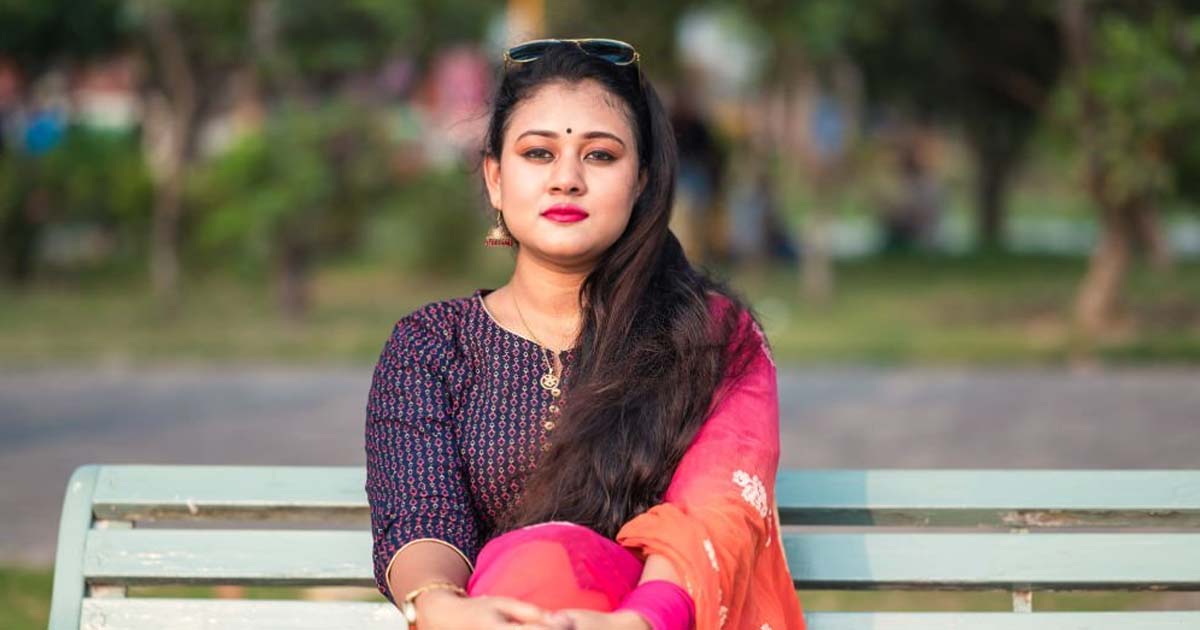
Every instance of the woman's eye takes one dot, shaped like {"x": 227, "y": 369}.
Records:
{"x": 605, "y": 156}
{"x": 536, "y": 153}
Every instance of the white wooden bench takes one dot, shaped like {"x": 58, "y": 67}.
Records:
{"x": 1016, "y": 531}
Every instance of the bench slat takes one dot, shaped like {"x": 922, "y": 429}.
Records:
{"x": 1004, "y": 621}
{"x": 278, "y": 493}
{"x": 996, "y": 560}
{"x": 1001, "y": 498}
{"x": 817, "y": 560}
{"x": 200, "y": 614}
{"x": 170, "y": 556}
{"x": 192, "y": 614}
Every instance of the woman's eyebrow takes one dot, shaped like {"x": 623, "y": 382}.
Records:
{"x": 589, "y": 135}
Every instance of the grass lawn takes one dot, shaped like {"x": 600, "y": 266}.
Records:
{"x": 887, "y": 310}
{"x": 24, "y": 598}
{"x": 973, "y": 311}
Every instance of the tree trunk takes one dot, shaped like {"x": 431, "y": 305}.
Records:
{"x": 1097, "y": 296}
{"x": 831, "y": 172}
{"x": 179, "y": 83}
{"x": 20, "y": 232}
{"x": 1147, "y": 226}
{"x": 1096, "y": 301}
{"x": 815, "y": 255}
{"x": 292, "y": 280}
{"x": 994, "y": 164}
{"x": 816, "y": 266}
{"x": 164, "y": 236}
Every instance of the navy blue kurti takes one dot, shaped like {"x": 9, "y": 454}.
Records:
{"x": 455, "y": 423}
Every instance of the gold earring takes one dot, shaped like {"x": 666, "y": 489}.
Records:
{"x": 499, "y": 236}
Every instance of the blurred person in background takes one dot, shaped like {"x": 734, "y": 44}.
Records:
{"x": 595, "y": 443}
{"x": 701, "y": 163}
{"x": 911, "y": 216}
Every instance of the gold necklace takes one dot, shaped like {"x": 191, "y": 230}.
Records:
{"x": 549, "y": 380}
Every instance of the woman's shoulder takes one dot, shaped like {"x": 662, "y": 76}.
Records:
{"x": 720, "y": 304}
{"x": 434, "y": 325}
{"x": 442, "y": 315}
{"x": 746, "y": 335}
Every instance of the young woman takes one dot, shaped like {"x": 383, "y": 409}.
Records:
{"x": 594, "y": 444}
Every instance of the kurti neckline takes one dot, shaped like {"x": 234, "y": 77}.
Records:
{"x": 479, "y": 293}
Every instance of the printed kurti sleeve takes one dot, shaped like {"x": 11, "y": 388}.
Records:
{"x": 415, "y": 480}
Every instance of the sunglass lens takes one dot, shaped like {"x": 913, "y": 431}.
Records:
{"x": 528, "y": 51}
{"x": 612, "y": 50}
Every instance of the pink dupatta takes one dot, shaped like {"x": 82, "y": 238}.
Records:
{"x": 718, "y": 524}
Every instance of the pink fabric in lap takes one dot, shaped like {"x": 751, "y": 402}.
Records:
{"x": 556, "y": 565}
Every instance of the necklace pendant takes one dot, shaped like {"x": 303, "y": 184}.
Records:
{"x": 550, "y": 382}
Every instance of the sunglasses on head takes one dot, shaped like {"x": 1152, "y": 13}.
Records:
{"x": 614, "y": 51}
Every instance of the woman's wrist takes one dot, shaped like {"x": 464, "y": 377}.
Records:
{"x": 661, "y": 604}
{"x": 434, "y": 599}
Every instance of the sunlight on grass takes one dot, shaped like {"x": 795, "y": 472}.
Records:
{"x": 990, "y": 310}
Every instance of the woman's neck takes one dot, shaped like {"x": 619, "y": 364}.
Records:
{"x": 548, "y": 301}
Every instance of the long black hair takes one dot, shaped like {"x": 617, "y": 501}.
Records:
{"x": 651, "y": 353}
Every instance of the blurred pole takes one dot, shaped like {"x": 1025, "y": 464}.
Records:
{"x": 526, "y": 19}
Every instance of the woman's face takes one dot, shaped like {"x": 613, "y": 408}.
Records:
{"x": 566, "y": 145}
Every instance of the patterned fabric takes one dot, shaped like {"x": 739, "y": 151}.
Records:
{"x": 454, "y": 425}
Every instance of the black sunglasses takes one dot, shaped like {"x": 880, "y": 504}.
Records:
{"x": 614, "y": 51}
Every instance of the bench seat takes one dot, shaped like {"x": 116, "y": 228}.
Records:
{"x": 960, "y": 530}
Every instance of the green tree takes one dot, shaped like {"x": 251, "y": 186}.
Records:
{"x": 293, "y": 191}
{"x": 988, "y": 66}
{"x": 38, "y": 35}
{"x": 192, "y": 49}
{"x": 295, "y": 53}
{"x": 810, "y": 56}
{"x": 1131, "y": 100}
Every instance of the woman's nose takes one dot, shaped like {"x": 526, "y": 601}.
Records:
{"x": 567, "y": 177}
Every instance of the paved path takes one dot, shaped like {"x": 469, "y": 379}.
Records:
{"x": 53, "y": 421}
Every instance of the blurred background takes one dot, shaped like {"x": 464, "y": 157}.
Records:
{"x": 971, "y": 228}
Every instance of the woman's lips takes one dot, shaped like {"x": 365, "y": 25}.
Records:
{"x": 565, "y": 213}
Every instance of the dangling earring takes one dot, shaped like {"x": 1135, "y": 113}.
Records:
{"x": 498, "y": 236}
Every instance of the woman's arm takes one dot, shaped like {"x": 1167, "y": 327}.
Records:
{"x": 424, "y": 527}
{"x": 656, "y": 568}
{"x": 659, "y": 568}
{"x": 423, "y": 562}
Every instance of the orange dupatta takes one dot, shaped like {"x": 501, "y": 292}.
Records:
{"x": 718, "y": 524}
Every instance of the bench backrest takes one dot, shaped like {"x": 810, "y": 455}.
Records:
{"x": 867, "y": 529}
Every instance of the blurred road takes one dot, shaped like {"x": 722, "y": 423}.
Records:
{"x": 54, "y": 420}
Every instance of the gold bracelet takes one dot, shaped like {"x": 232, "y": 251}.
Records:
{"x": 412, "y": 595}
{"x": 408, "y": 606}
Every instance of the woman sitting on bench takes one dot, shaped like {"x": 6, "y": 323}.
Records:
{"x": 594, "y": 444}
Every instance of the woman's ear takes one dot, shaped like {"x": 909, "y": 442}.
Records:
{"x": 491, "y": 177}
{"x": 642, "y": 179}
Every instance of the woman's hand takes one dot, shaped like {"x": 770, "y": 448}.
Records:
{"x": 444, "y": 610}
{"x": 592, "y": 620}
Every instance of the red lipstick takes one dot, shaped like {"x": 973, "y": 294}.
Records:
{"x": 565, "y": 213}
